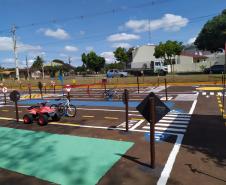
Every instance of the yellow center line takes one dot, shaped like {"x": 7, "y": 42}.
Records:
{"x": 5, "y": 110}
{"x": 88, "y": 116}
{"x": 67, "y": 124}
{"x": 110, "y": 118}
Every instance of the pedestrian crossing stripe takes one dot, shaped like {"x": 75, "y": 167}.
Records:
{"x": 211, "y": 93}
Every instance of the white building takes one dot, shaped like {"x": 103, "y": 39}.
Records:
{"x": 188, "y": 61}
{"x": 142, "y": 57}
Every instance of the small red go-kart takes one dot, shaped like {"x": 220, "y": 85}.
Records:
{"x": 41, "y": 112}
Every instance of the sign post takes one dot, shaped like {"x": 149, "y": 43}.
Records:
{"x": 40, "y": 86}
{"x": 29, "y": 89}
{"x": 104, "y": 82}
{"x": 53, "y": 84}
{"x": 15, "y": 96}
{"x": 166, "y": 90}
{"x": 4, "y": 90}
{"x": 68, "y": 89}
{"x": 138, "y": 84}
{"x": 152, "y": 109}
{"x": 44, "y": 84}
{"x": 152, "y": 131}
{"x": 125, "y": 99}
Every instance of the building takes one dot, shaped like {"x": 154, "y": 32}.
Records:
{"x": 190, "y": 60}
{"x": 142, "y": 57}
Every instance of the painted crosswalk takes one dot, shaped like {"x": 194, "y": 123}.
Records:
{"x": 214, "y": 93}
{"x": 172, "y": 123}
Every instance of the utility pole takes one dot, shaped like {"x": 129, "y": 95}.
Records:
{"x": 69, "y": 60}
{"x": 28, "y": 73}
{"x": 149, "y": 30}
{"x": 15, "y": 52}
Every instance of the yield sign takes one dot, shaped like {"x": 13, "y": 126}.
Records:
{"x": 144, "y": 108}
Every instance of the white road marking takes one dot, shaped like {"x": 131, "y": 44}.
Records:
{"x": 211, "y": 93}
{"x": 204, "y": 93}
{"x": 173, "y": 154}
{"x": 176, "y": 118}
{"x": 137, "y": 124}
{"x": 172, "y": 121}
{"x": 171, "y": 125}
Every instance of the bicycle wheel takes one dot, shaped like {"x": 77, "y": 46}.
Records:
{"x": 61, "y": 110}
{"x": 71, "y": 110}
{"x": 54, "y": 107}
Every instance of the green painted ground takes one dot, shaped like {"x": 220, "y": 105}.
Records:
{"x": 58, "y": 158}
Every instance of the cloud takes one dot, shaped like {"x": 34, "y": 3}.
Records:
{"x": 109, "y": 56}
{"x": 10, "y": 62}
{"x": 70, "y": 48}
{"x": 6, "y": 44}
{"x": 169, "y": 22}
{"x": 89, "y": 48}
{"x": 122, "y": 37}
{"x": 122, "y": 45}
{"x": 191, "y": 40}
{"x": 58, "y": 33}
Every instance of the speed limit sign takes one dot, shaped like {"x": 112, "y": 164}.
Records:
{"x": 4, "y": 89}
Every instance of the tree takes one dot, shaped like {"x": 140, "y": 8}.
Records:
{"x": 92, "y": 61}
{"x": 168, "y": 51}
{"x": 37, "y": 64}
{"x": 213, "y": 34}
{"x": 121, "y": 56}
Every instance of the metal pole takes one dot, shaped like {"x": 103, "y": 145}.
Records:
{"x": 15, "y": 52}
{"x": 54, "y": 89}
{"x": 17, "y": 115}
{"x": 224, "y": 78}
{"x": 68, "y": 96}
{"x": 126, "y": 94}
{"x": 30, "y": 91}
{"x": 152, "y": 131}
{"x": 138, "y": 85}
{"x": 166, "y": 90}
{"x": 5, "y": 98}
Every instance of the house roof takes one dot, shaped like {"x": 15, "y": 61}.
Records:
{"x": 196, "y": 55}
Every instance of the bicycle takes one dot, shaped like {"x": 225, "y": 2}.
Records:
{"x": 110, "y": 94}
{"x": 65, "y": 108}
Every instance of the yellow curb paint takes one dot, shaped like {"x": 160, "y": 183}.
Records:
{"x": 88, "y": 116}
{"x": 210, "y": 88}
{"x": 5, "y": 110}
{"x": 110, "y": 118}
{"x": 66, "y": 124}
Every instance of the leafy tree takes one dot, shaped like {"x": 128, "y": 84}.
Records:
{"x": 37, "y": 64}
{"x": 213, "y": 34}
{"x": 92, "y": 61}
{"x": 121, "y": 55}
{"x": 168, "y": 51}
{"x": 116, "y": 65}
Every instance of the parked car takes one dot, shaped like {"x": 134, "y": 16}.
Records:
{"x": 214, "y": 69}
{"x": 116, "y": 73}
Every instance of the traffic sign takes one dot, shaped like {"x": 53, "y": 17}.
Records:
{"x": 68, "y": 88}
{"x": 4, "y": 89}
{"x": 52, "y": 83}
{"x": 14, "y": 96}
{"x": 144, "y": 108}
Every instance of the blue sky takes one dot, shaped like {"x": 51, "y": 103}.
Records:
{"x": 99, "y": 25}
